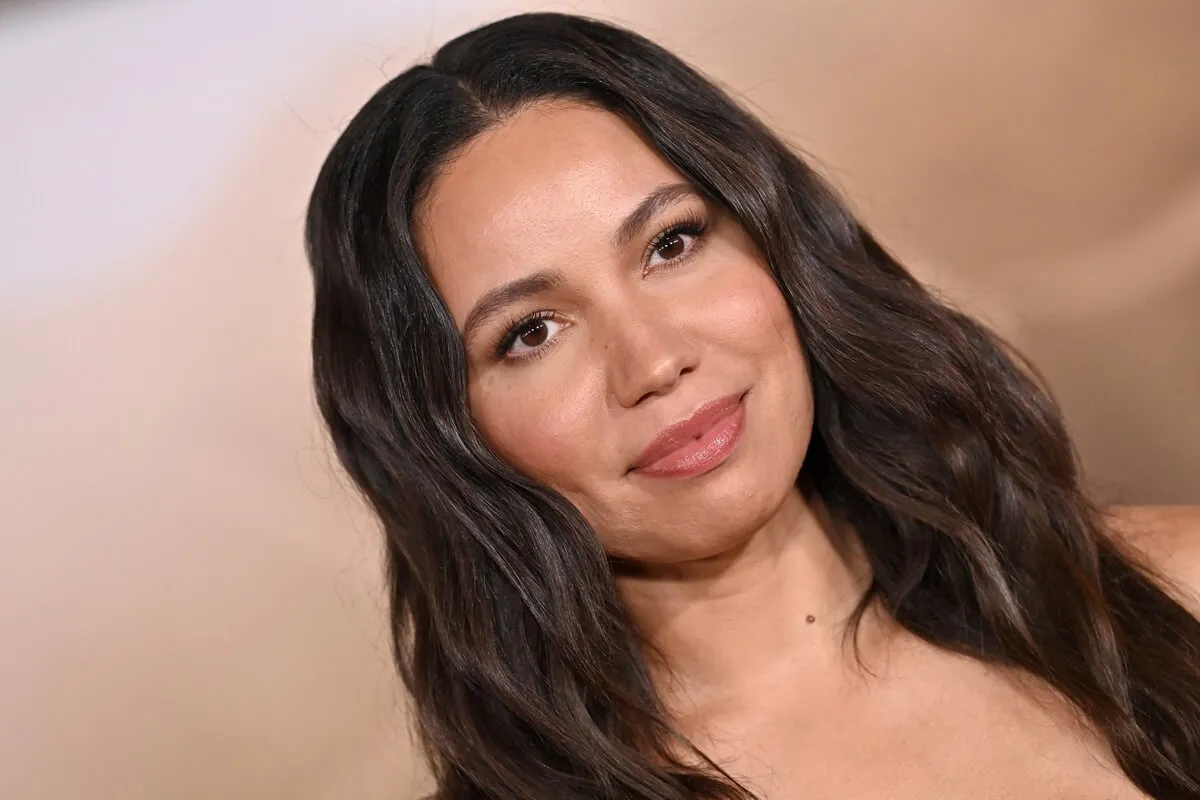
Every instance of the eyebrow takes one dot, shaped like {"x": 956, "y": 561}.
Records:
{"x": 494, "y": 302}
{"x": 651, "y": 204}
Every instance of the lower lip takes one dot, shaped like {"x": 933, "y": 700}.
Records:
{"x": 704, "y": 454}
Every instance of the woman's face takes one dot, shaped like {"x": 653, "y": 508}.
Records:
{"x": 602, "y": 303}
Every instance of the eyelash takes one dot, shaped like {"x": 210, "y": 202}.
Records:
{"x": 514, "y": 328}
{"x": 692, "y": 224}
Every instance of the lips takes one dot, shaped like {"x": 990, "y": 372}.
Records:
{"x": 697, "y": 444}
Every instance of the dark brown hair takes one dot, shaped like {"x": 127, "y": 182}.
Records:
{"x": 952, "y": 464}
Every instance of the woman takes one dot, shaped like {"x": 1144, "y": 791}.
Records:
{"x": 690, "y": 490}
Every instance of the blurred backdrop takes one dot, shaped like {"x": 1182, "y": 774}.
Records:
{"x": 189, "y": 594}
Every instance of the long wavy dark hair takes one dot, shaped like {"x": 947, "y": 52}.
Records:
{"x": 528, "y": 677}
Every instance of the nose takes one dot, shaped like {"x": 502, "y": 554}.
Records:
{"x": 648, "y": 355}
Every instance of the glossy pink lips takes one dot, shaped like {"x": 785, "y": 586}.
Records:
{"x": 697, "y": 444}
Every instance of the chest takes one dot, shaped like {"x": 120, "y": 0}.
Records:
{"x": 943, "y": 763}
{"x": 952, "y": 732}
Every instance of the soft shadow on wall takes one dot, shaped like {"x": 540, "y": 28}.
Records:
{"x": 191, "y": 605}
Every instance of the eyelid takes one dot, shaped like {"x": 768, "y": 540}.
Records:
{"x": 503, "y": 348}
{"x": 691, "y": 221}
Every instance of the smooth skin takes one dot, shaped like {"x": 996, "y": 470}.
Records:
{"x": 589, "y": 327}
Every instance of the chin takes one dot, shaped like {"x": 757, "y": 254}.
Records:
{"x": 712, "y": 517}
{"x": 676, "y": 521}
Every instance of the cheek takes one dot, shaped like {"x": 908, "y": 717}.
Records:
{"x": 755, "y": 321}
{"x": 750, "y": 313}
{"x": 546, "y": 436}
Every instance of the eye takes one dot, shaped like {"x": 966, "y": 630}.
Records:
{"x": 529, "y": 335}
{"x": 675, "y": 243}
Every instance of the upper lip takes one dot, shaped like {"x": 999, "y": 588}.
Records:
{"x": 672, "y": 437}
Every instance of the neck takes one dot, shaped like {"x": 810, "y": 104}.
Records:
{"x": 773, "y": 607}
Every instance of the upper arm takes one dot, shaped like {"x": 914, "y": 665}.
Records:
{"x": 1168, "y": 539}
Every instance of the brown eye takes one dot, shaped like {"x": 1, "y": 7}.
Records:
{"x": 672, "y": 247}
{"x": 675, "y": 244}
{"x": 534, "y": 334}
{"x": 529, "y": 337}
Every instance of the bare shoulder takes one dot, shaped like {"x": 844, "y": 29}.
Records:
{"x": 1167, "y": 537}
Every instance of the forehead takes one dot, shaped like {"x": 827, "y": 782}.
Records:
{"x": 540, "y": 191}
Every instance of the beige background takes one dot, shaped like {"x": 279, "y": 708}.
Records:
{"x": 189, "y": 602}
